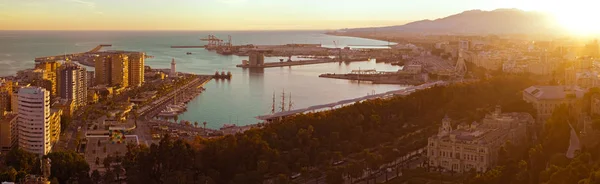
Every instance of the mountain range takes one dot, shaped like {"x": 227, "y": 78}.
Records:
{"x": 500, "y": 21}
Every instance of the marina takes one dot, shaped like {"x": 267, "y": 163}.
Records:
{"x": 250, "y": 89}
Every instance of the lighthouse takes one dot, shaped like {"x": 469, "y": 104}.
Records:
{"x": 173, "y": 72}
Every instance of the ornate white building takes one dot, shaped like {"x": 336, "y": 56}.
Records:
{"x": 476, "y": 146}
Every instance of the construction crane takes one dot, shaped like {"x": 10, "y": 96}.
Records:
{"x": 339, "y": 51}
{"x": 213, "y": 41}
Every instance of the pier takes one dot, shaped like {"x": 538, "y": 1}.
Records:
{"x": 291, "y": 63}
{"x": 65, "y": 56}
{"x": 157, "y": 105}
{"x": 409, "y": 75}
{"x": 187, "y": 46}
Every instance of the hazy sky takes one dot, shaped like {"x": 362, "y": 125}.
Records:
{"x": 236, "y": 14}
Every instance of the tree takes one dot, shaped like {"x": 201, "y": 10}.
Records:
{"x": 316, "y": 175}
{"x": 11, "y": 174}
{"x": 68, "y": 165}
{"x": 334, "y": 176}
{"x": 54, "y": 181}
{"x": 21, "y": 160}
{"x": 118, "y": 170}
{"x": 374, "y": 161}
{"x": 109, "y": 176}
{"x": 356, "y": 170}
{"x": 282, "y": 179}
{"x": 196, "y": 124}
{"x": 107, "y": 161}
{"x": 96, "y": 177}
{"x": 204, "y": 123}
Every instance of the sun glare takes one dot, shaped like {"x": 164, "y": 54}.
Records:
{"x": 577, "y": 17}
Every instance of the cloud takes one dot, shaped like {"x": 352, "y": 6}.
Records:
{"x": 232, "y": 1}
{"x": 86, "y": 3}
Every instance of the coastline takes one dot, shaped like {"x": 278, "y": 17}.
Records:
{"x": 364, "y": 35}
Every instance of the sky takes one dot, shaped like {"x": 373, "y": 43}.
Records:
{"x": 247, "y": 14}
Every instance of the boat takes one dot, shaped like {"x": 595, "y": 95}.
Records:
{"x": 227, "y": 126}
{"x": 177, "y": 108}
{"x": 188, "y": 53}
{"x": 168, "y": 112}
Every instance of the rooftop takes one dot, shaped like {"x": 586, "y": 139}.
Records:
{"x": 31, "y": 90}
{"x": 553, "y": 92}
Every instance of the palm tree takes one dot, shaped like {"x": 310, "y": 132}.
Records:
{"x": 204, "y": 125}
{"x": 96, "y": 177}
{"x": 196, "y": 124}
{"x": 118, "y": 169}
{"x": 107, "y": 162}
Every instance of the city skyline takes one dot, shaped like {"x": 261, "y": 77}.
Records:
{"x": 257, "y": 14}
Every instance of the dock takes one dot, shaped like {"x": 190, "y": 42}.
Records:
{"x": 187, "y": 46}
{"x": 291, "y": 63}
{"x": 297, "y": 63}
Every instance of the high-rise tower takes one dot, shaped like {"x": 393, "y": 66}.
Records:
{"x": 33, "y": 120}
{"x": 72, "y": 83}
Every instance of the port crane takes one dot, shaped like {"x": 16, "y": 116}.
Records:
{"x": 213, "y": 41}
{"x": 339, "y": 50}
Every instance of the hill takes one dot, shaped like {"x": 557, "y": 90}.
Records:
{"x": 500, "y": 21}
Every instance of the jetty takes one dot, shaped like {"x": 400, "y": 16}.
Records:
{"x": 291, "y": 63}
{"x": 187, "y": 46}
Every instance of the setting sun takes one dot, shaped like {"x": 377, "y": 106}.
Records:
{"x": 577, "y": 20}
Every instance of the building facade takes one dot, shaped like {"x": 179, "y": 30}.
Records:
{"x": 34, "y": 120}
{"x": 49, "y": 73}
{"x": 6, "y": 92}
{"x": 72, "y": 83}
{"x": 136, "y": 68}
{"x": 7, "y": 137}
{"x": 112, "y": 70}
{"x": 546, "y": 98}
{"x": 90, "y": 77}
{"x": 55, "y": 117}
{"x": 476, "y": 146}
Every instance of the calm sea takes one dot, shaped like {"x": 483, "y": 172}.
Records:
{"x": 238, "y": 101}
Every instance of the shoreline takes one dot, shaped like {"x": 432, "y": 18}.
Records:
{"x": 368, "y": 36}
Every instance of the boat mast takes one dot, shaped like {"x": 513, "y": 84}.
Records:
{"x": 290, "y": 102}
{"x": 273, "y": 105}
{"x": 283, "y": 100}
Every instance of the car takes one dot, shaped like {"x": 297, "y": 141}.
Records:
{"x": 295, "y": 175}
{"x": 336, "y": 163}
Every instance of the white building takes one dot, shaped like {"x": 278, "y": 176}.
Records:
{"x": 173, "y": 73}
{"x": 476, "y": 146}
{"x": 34, "y": 120}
